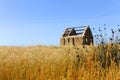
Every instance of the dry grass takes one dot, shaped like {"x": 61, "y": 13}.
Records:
{"x": 54, "y": 63}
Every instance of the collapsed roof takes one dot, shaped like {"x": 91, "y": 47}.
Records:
{"x": 78, "y": 31}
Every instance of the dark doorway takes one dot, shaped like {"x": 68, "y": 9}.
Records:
{"x": 73, "y": 41}
{"x": 63, "y": 41}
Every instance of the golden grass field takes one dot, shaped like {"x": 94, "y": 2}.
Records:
{"x": 54, "y": 63}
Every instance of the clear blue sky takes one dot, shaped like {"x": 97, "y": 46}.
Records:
{"x": 41, "y": 22}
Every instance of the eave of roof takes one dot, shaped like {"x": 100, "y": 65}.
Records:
{"x": 73, "y": 36}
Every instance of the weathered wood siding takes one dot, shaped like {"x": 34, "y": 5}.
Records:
{"x": 73, "y": 40}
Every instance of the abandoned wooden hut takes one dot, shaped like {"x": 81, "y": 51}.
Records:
{"x": 77, "y": 36}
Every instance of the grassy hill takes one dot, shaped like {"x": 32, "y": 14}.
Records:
{"x": 60, "y": 63}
